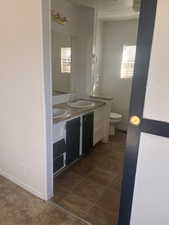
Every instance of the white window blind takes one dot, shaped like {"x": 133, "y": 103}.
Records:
{"x": 66, "y": 60}
{"x": 128, "y": 61}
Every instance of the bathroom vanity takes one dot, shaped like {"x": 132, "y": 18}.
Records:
{"x": 74, "y": 136}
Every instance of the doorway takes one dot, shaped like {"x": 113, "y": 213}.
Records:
{"x": 87, "y": 155}
{"x": 118, "y": 143}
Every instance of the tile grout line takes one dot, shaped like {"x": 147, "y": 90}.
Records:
{"x": 83, "y": 178}
{"x": 71, "y": 214}
{"x": 93, "y": 204}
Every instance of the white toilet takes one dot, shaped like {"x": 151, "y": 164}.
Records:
{"x": 115, "y": 119}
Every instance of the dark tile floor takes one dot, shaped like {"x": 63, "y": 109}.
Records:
{"x": 18, "y": 207}
{"x": 91, "y": 187}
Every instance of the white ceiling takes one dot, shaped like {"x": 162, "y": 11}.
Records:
{"x": 111, "y": 9}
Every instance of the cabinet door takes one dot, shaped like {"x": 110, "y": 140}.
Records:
{"x": 72, "y": 140}
{"x": 59, "y": 151}
{"x": 99, "y": 125}
{"x": 59, "y": 148}
{"x": 58, "y": 163}
{"x": 87, "y": 136}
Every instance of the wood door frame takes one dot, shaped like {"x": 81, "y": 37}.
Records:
{"x": 143, "y": 55}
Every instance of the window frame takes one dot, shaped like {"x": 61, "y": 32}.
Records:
{"x": 127, "y": 75}
{"x": 61, "y": 61}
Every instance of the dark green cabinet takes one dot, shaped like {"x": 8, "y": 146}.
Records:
{"x": 87, "y": 133}
{"x": 59, "y": 151}
{"x": 58, "y": 164}
{"x": 72, "y": 141}
{"x": 65, "y": 152}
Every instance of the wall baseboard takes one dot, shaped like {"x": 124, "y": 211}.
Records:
{"x": 49, "y": 196}
{"x": 25, "y": 186}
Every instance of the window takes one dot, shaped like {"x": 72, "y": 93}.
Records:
{"x": 66, "y": 60}
{"x": 128, "y": 61}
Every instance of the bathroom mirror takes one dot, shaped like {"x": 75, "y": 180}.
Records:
{"x": 61, "y": 62}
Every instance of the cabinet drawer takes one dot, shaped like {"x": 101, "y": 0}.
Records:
{"x": 59, "y": 148}
{"x": 58, "y": 163}
{"x": 58, "y": 131}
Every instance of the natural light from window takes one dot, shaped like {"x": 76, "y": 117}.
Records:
{"x": 128, "y": 61}
{"x": 66, "y": 60}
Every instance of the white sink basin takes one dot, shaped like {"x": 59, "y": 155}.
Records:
{"x": 81, "y": 104}
{"x": 60, "y": 113}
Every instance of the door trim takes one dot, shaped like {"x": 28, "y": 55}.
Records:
{"x": 143, "y": 54}
{"x": 154, "y": 127}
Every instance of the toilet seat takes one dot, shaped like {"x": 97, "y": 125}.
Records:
{"x": 115, "y": 119}
{"x": 115, "y": 116}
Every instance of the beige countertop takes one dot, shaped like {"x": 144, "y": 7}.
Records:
{"x": 74, "y": 112}
{"x": 102, "y": 98}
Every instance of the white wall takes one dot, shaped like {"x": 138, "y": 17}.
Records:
{"x": 97, "y": 53}
{"x": 80, "y": 28}
{"x": 22, "y": 114}
{"x": 116, "y": 34}
{"x": 48, "y": 167}
{"x": 151, "y": 195}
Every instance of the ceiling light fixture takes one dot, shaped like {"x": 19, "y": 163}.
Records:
{"x": 58, "y": 18}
